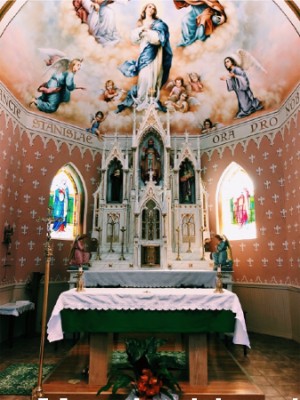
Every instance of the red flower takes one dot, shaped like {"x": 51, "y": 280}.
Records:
{"x": 148, "y": 385}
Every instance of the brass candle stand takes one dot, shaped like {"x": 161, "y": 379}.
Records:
{"x": 219, "y": 283}
{"x": 80, "y": 283}
{"x": 98, "y": 256}
{"x": 37, "y": 392}
{"x": 123, "y": 229}
{"x": 178, "y": 258}
{"x": 202, "y": 230}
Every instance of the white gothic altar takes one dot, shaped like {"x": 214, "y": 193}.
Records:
{"x": 150, "y": 208}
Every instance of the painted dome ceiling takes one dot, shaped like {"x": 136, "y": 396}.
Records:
{"x": 40, "y": 38}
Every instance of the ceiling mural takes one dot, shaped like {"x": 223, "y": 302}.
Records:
{"x": 90, "y": 62}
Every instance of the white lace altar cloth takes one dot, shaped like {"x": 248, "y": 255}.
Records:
{"x": 17, "y": 308}
{"x": 164, "y": 299}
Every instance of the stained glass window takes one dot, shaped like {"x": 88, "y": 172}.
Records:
{"x": 236, "y": 204}
{"x": 65, "y": 205}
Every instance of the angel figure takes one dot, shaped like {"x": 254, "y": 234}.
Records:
{"x": 178, "y": 87}
{"x": 184, "y": 104}
{"x": 223, "y": 254}
{"x": 203, "y": 17}
{"x": 58, "y": 88}
{"x": 81, "y": 12}
{"x": 111, "y": 92}
{"x": 101, "y": 20}
{"x": 95, "y": 123}
{"x": 208, "y": 126}
{"x": 181, "y": 105}
{"x": 194, "y": 82}
{"x": 237, "y": 81}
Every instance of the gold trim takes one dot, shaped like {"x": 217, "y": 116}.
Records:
{"x": 6, "y": 7}
{"x": 293, "y": 6}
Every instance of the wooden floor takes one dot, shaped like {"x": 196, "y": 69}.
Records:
{"x": 227, "y": 380}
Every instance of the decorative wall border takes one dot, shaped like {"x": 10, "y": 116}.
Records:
{"x": 267, "y": 125}
{"x": 34, "y": 125}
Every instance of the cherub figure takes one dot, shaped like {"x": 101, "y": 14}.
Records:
{"x": 208, "y": 126}
{"x": 181, "y": 105}
{"x": 58, "y": 88}
{"x": 111, "y": 92}
{"x": 194, "y": 82}
{"x": 178, "y": 87}
{"x": 95, "y": 123}
{"x": 81, "y": 12}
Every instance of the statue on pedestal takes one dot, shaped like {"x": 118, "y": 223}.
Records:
{"x": 79, "y": 254}
{"x": 150, "y": 161}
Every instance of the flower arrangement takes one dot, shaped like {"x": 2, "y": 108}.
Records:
{"x": 148, "y": 374}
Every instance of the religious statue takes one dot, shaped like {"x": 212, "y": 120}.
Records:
{"x": 116, "y": 184}
{"x": 186, "y": 183}
{"x": 150, "y": 163}
{"x": 223, "y": 255}
{"x": 79, "y": 254}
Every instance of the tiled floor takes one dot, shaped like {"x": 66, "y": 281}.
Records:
{"x": 272, "y": 363}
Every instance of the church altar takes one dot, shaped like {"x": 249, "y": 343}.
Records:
{"x": 104, "y": 311}
{"x": 149, "y": 278}
{"x": 151, "y": 207}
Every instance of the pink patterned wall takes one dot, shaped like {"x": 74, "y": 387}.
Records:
{"x": 27, "y": 168}
{"x": 26, "y": 172}
{"x": 273, "y": 164}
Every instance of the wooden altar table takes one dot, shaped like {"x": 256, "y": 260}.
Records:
{"x": 102, "y": 312}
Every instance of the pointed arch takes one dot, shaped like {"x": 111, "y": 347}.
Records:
{"x": 114, "y": 182}
{"x": 187, "y": 192}
{"x": 67, "y": 201}
{"x": 235, "y": 204}
{"x": 151, "y": 224}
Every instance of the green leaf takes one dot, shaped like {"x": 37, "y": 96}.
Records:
{"x": 123, "y": 381}
{"x": 143, "y": 354}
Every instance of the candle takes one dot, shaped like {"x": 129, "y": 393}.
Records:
{"x": 219, "y": 268}
{"x": 80, "y": 269}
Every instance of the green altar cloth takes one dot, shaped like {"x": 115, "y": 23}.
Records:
{"x": 147, "y": 321}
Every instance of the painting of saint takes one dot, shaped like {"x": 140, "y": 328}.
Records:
{"x": 154, "y": 62}
{"x": 202, "y": 19}
{"x": 100, "y": 18}
{"x": 60, "y": 207}
{"x": 238, "y": 82}
{"x": 58, "y": 88}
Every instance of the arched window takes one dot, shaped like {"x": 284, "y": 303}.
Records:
{"x": 66, "y": 202}
{"x": 235, "y": 204}
{"x": 151, "y": 221}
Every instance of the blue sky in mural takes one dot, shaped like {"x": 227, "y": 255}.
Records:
{"x": 54, "y": 25}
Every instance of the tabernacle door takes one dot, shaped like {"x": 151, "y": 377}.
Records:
{"x": 150, "y": 256}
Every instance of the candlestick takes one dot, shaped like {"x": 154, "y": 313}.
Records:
{"x": 80, "y": 286}
{"x": 219, "y": 283}
{"x": 178, "y": 254}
